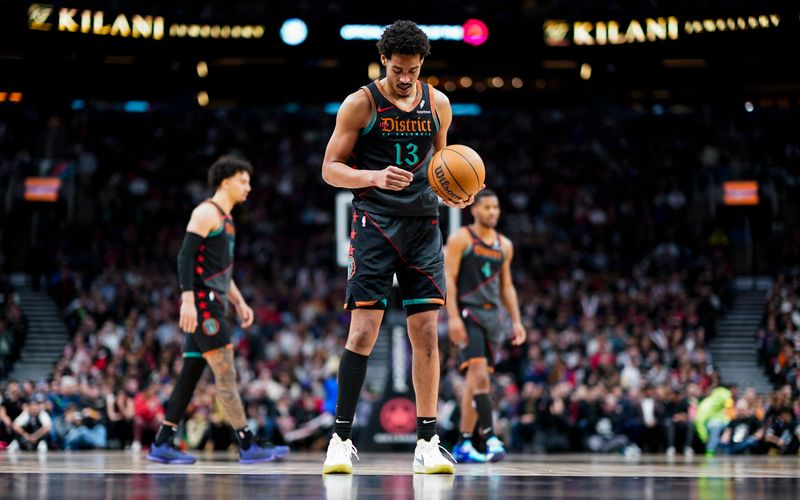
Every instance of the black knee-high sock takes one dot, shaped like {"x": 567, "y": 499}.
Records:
{"x": 181, "y": 395}
{"x": 352, "y": 371}
{"x": 484, "y": 408}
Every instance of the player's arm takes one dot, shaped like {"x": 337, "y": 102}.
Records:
{"x": 445, "y": 113}
{"x": 242, "y": 309}
{"x": 508, "y": 294}
{"x": 354, "y": 114}
{"x": 203, "y": 220}
{"x": 456, "y": 245}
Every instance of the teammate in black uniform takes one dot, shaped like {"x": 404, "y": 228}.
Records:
{"x": 385, "y": 135}
{"x": 478, "y": 270}
{"x": 205, "y": 272}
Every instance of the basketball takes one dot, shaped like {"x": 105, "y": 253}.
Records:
{"x": 456, "y": 172}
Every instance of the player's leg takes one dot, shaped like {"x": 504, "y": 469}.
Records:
{"x": 420, "y": 275}
{"x": 164, "y": 449}
{"x": 474, "y": 366}
{"x": 222, "y": 364}
{"x": 369, "y": 280}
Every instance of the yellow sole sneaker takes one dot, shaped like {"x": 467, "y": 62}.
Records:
{"x": 337, "y": 469}
{"x": 434, "y": 469}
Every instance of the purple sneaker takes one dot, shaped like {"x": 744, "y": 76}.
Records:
{"x": 168, "y": 453}
{"x": 257, "y": 453}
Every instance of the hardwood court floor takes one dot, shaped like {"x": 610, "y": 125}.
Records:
{"x": 106, "y": 475}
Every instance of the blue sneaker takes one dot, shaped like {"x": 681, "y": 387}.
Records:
{"x": 465, "y": 453}
{"x": 258, "y": 452}
{"x": 168, "y": 453}
{"x": 495, "y": 449}
{"x": 280, "y": 452}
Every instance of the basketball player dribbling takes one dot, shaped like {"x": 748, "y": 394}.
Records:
{"x": 478, "y": 272}
{"x": 205, "y": 273}
{"x": 380, "y": 148}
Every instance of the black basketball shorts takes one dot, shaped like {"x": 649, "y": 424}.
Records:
{"x": 213, "y": 330}
{"x": 384, "y": 245}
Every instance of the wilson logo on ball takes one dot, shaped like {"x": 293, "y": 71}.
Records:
{"x": 444, "y": 184}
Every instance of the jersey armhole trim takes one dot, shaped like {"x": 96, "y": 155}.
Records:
{"x": 374, "y": 113}
{"x": 432, "y": 98}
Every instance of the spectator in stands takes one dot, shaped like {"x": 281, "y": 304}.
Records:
{"x": 744, "y": 432}
{"x": 677, "y": 422}
{"x": 148, "y": 414}
{"x": 32, "y": 427}
{"x": 783, "y": 434}
{"x": 120, "y": 413}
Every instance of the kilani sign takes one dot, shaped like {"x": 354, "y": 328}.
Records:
{"x": 562, "y": 33}
{"x": 44, "y": 17}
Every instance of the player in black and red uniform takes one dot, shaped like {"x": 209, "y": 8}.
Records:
{"x": 205, "y": 272}
{"x": 385, "y": 135}
{"x": 478, "y": 270}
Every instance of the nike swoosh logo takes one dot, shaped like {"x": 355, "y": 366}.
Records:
{"x": 419, "y": 461}
{"x": 486, "y": 430}
{"x": 428, "y": 421}
{"x": 381, "y": 110}
{"x": 342, "y": 421}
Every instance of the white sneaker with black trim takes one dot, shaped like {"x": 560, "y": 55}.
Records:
{"x": 338, "y": 459}
{"x": 428, "y": 458}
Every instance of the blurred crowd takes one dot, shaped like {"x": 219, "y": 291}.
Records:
{"x": 620, "y": 281}
{"x": 779, "y": 337}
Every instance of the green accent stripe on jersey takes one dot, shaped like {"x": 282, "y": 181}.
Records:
{"x": 468, "y": 250}
{"x": 371, "y": 123}
{"x": 216, "y": 231}
{"x": 192, "y": 355}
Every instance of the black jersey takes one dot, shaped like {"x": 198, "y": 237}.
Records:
{"x": 214, "y": 265}
{"x": 479, "y": 274}
{"x": 403, "y": 139}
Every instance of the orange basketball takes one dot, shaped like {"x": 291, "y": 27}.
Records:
{"x": 456, "y": 172}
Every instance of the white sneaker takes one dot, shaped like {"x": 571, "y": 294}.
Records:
{"x": 136, "y": 447}
{"x": 688, "y": 452}
{"x": 42, "y": 447}
{"x": 670, "y": 452}
{"x": 338, "y": 458}
{"x": 13, "y": 447}
{"x": 428, "y": 459}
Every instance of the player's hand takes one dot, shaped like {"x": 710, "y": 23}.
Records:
{"x": 245, "y": 314}
{"x": 462, "y": 203}
{"x": 457, "y": 332}
{"x": 188, "y": 319}
{"x": 393, "y": 178}
{"x": 517, "y": 333}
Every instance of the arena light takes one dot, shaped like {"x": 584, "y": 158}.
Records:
{"x": 294, "y": 31}
{"x": 136, "y": 106}
{"x": 466, "y": 109}
{"x": 473, "y": 32}
{"x": 332, "y": 108}
{"x": 749, "y": 107}
{"x": 586, "y": 71}
{"x": 740, "y": 193}
{"x": 202, "y": 69}
{"x": 42, "y": 189}
{"x": 373, "y": 71}
{"x": 202, "y": 98}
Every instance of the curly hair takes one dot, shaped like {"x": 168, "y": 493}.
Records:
{"x": 406, "y": 38}
{"x": 224, "y": 167}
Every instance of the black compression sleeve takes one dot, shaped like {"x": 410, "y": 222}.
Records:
{"x": 186, "y": 255}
